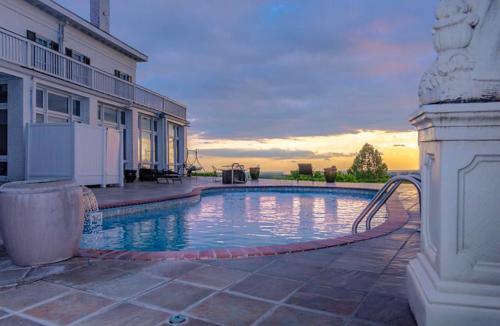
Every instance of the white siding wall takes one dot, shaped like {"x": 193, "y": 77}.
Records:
{"x": 19, "y": 16}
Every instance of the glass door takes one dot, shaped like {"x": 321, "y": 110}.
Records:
{"x": 3, "y": 130}
{"x": 174, "y": 147}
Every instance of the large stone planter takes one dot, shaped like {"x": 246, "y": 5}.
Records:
{"x": 255, "y": 173}
{"x": 330, "y": 174}
{"x": 41, "y": 222}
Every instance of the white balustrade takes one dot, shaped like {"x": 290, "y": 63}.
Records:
{"x": 18, "y": 50}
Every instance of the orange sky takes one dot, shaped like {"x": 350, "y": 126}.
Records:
{"x": 400, "y": 150}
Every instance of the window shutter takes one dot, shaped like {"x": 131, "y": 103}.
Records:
{"x": 69, "y": 52}
{"x": 31, "y": 36}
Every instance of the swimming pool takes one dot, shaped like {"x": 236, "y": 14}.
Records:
{"x": 235, "y": 217}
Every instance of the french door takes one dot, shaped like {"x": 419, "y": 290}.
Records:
{"x": 4, "y": 98}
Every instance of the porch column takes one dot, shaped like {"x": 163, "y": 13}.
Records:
{"x": 455, "y": 280}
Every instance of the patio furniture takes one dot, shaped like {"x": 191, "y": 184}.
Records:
{"x": 130, "y": 175}
{"x": 306, "y": 170}
{"x": 166, "y": 176}
{"x": 146, "y": 174}
{"x": 234, "y": 175}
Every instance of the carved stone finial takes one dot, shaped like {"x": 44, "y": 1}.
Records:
{"x": 464, "y": 37}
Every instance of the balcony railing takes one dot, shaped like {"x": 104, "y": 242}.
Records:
{"x": 19, "y": 50}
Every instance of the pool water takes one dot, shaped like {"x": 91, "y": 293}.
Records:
{"x": 229, "y": 218}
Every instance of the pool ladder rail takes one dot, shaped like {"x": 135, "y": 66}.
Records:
{"x": 382, "y": 196}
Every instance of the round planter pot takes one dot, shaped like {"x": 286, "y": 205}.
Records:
{"x": 330, "y": 175}
{"x": 41, "y": 222}
{"x": 254, "y": 173}
{"x": 130, "y": 175}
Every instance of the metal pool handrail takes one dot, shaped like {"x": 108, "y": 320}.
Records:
{"x": 381, "y": 198}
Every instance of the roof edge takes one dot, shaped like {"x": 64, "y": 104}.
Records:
{"x": 60, "y": 12}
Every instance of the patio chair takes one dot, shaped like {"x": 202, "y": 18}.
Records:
{"x": 306, "y": 170}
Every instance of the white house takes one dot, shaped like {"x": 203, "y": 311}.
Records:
{"x": 69, "y": 104}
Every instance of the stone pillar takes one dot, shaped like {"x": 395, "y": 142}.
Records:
{"x": 455, "y": 280}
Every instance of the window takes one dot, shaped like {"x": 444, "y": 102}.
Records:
{"x": 39, "y": 98}
{"x": 110, "y": 115}
{"x": 3, "y": 93}
{"x": 76, "y": 108}
{"x": 174, "y": 146}
{"x": 123, "y": 75}
{"x": 57, "y": 107}
{"x": 3, "y": 132}
{"x": 43, "y": 41}
{"x": 78, "y": 56}
{"x": 58, "y": 103}
{"x": 40, "y": 118}
{"x": 148, "y": 143}
{"x": 3, "y": 168}
{"x": 122, "y": 117}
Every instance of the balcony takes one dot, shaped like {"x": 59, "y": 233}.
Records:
{"x": 21, "y": 51}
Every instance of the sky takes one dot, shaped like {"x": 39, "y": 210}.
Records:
{"x": 274, "y": 83}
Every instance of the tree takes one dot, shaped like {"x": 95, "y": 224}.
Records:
{"x": 368, "y": 164}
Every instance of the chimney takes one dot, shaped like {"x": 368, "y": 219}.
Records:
{"x": 99, "y": 14}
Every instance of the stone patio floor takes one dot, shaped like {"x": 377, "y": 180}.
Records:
{"x": 358, "y": 284}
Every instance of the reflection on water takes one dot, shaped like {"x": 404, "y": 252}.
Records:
{"x": 232, "y": 219}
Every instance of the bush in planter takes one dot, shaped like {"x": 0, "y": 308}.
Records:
{"x": 130, "y": 175}
{"x": 331, "y": 174}
{"x": 255, "y": 173}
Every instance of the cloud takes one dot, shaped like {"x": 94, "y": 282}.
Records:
{"x": 257, "y": 69}
{"x": 274, "y": 153}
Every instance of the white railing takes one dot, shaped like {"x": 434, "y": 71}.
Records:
{"x": 22, "y": 51}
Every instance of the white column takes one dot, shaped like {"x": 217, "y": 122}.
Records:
{"x": 455, "y": 280}
{"x": 134, "y": 138}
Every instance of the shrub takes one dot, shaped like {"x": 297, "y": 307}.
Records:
{"x": 368, "y": 165}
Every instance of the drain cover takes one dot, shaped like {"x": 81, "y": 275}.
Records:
{"x": 177, "y": 319}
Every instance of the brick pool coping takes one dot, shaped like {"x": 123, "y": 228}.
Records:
{"x": 397, "y": 218}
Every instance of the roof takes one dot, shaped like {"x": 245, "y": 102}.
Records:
{"x": 59, "y": 12}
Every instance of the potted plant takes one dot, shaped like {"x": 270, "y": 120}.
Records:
{"x": 130, "y": 175}
{"x": 41, "y": 222}
{"x": 255, "y": 173}
{"x": 331, "y": 174}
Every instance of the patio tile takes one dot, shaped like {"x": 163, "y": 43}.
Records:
{"x": 391, "y": 285}
{"x": 175, "y": 296}
{"x": 212, "y": 276}
{"x": 344, "y": 278}
{"x": 192, "y": 322}
{"x": 124, "y": 265}
{"x": 12, "y": 276}
{"x": 397, "y": 267}
{"x": 287, "y": 316}
{"x": 172, "y": 269}
{"x": 360, "y": 322}
{"x": 30, "y": 294}
{"x": 17, "y": 321}
{"x": 127, "y": 285}
{"x": 244, "y": 264}
{"x": 386, "y": 309}
{"x": 228, "y": 309}
{"x": 360, "y": 263}
{"x": 334, "y": 300}
{"x": 266, "y": 287}
{"x": 85, "y": 276}
{"x": 69, "y": 308}
{"x": 127, "y": 314}
{"x": 316, "y": 258}
{"x": 291, "y": 270}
